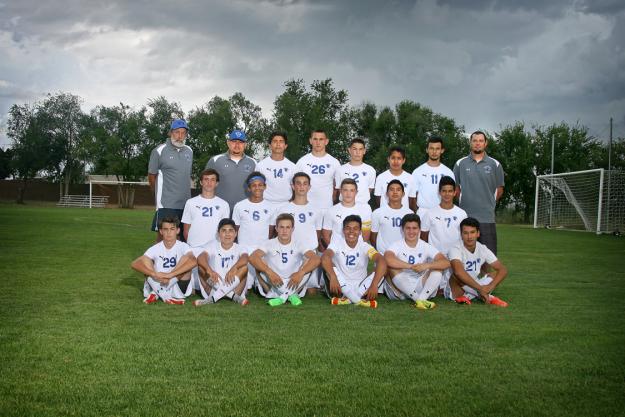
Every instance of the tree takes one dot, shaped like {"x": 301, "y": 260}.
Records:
{"x": 517, "y": 146}
{"x": 249, "y": 118}
{"x": 574, "y": 148}
{"x": 160, "y": 115}
{"x": 298, "y": 112}
{"x": 6, "y": 156}
{"x": 117, "y": 136}
{"x": 30, "y": 146}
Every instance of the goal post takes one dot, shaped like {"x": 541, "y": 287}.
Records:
{"x": 591, "y": 200}
{"x": 91, "y": 182}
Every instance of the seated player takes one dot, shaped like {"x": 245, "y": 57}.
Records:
{"x": 308, "y": 219}
{"x": 467, "y": 260}
{"x": 415, "y": 266}
{"x": 167, "y": 265}
{"x": 333, "y": 217}
{"x": 386, "y": 220}
{"x": 345, "y": 263}
{"x": 252, "y": 217}
{"x": 222, "y": 264}
{"x": 284, "y": 265}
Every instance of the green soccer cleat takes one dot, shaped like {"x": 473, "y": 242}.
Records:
{"x": 424, "y": 305}
{"x": 274, "y": 302}
{"x": 295, "y": 300}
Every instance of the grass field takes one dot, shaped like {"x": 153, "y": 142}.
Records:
{"x": 75, "y": 338}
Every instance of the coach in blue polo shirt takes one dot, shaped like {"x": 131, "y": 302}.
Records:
{"x": 233, "y": 167}
{"x": 480, "y": 180}
{"x": 169, "y": 174}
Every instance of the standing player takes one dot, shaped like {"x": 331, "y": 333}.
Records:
{"x": 441, "y": 224}
{"x": 278, "y": 170}
{"x": 363, "y": 174}
{"x": 321, "y": 167}
{"x": 167, "y": 265}
{"x": 386, "y": 221}
{"x": 467, "y": 261}
{"x": 427, "y": 176}
{"x": 396, "y": 160}
{"x": 480, "y": 181}
{"x": 169, "y": 174}
{"x": 415, "y": 267}
{"x": 233, "y": 167}
{"x": 345, "y": 263}
{"x": 252, "y": 217}
{"x": 203, "y": 212}
{"x": 223, "y": 267}
{"x": 333, "y": 217}
{"x": 308, "y": 220}
{"x": 284, "y": 265}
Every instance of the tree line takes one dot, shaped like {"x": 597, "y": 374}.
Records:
{"x": 55, "y": 138}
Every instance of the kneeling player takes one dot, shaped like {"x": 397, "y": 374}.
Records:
{"x": 415, "y": 266}
{"x": 166, "y": 265}
{"x": 284, "y": 265}
{"x": 467, "y": 260}
{"x": 345, "y": 262}
{"x": 222, "y": 267}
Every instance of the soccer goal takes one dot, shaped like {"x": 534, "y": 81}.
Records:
{"x": 592, "y": 200}
{"x": 125, "y": 191}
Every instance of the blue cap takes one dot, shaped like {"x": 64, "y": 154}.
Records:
{"x": 237, "y": 135}
{"x": 179, "y": 123}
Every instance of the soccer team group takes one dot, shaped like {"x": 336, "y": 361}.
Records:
{"x": 288, "y": 229}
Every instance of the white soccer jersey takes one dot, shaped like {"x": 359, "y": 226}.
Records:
{"x": 422, "y": 252}
{"x": 381, "y": 183}
{"x": 308, "y": 220}
{"x": 334, "y": 216}
{"x": 284, "y": 260}
{"x": 352, "y": 262}
{"x": 253, "y": 220}
{"x": 165, "y": 260}
{"x": 426, "y": 180}
{"x": 386, "y": 222}
{"x": 279, "y": 175}
{"x": 443, "y": 227}
{"x": 321, "y": 171}
{"x": 203, "y": 215}
{"x": 222, "y": 260}
{"x": 472, "y": 262}
{"x": 363, "y": 174}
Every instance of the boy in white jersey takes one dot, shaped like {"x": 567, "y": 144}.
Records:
{"x": 203, "y": 212}
{"x": 223, "y": 267}
{"x": 308, "y": 221}
{"x": 386, "y": 221}
{"x": 415, "y": 267}
{"x": 284, "y": 265}
{"x": 321, "y": 167}
{"x": 166, "y": 265}
{"x": 278, "y": 170}
{"x": 345, "y": 262}
{"x": 466, "y": 261}
{"x": 333, "y": 217}
{"x": 252, "y": 217}
{"x": 396, "y": 160}
{"x": 427, "y": 176}
{"x": 362, "y": 173}
{"x": 440, "y": 225}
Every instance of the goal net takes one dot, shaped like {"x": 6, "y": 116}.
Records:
{"x": 592, "y": 200}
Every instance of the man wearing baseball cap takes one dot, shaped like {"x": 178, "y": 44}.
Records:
{"x": 233, "y": 167}
{"x": 169, "y": 174}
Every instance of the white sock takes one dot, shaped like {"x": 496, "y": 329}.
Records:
{"x": 407, "y": 285}
{"x": 223, "y": 289}
{"x": 351, "y": 293}
{"x": 430, "y": 287}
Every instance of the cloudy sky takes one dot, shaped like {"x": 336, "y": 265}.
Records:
{"x": 483, "y": 63}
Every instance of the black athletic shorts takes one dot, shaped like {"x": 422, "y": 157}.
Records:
{"x": 167, "y": 212}
{"x": 488, "y": 236}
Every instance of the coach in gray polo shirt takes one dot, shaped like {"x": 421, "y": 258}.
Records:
{"x": 480, "y": 181}
{"x": 233, "y": 167}
{"x": 169, "y": 174}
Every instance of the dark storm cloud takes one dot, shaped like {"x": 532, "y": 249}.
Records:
{"x": 483, "y": 63}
